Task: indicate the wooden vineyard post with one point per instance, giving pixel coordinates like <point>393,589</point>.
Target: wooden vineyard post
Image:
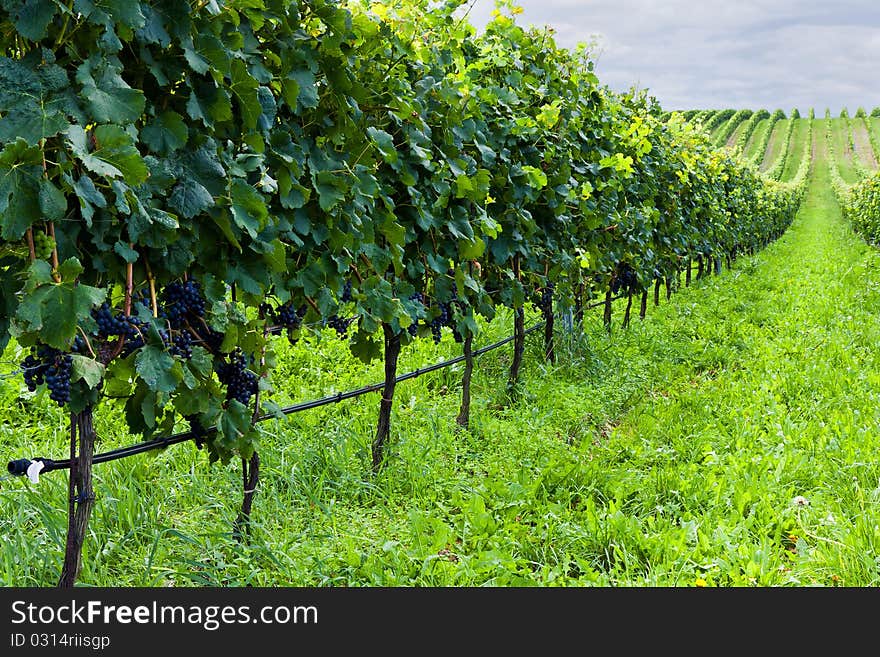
<point>629,303</point>
<point>383,425</point>
<point>250,476</point>
<point>464,413</point>
<point>606,316</point>
<point>519,341</point>
<point>579,306</point>
<point>81,495</point>
<point>549,348</point>
<point>250,468</point>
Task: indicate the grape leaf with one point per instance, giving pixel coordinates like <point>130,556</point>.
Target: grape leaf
<point>157,368</point>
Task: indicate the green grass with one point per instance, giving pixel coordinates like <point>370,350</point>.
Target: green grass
<point>669,454</point>
<point>775,145</point>
<point>715,136</point>
<point>843,151</point>
<point>734,137</point>
<point>795,149</point>
<point>751,149</point>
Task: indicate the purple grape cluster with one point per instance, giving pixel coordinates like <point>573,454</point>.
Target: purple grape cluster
<point>110,324</point>
<point>441,319</point>
<point>182,302</point>
<point>181,344</point>
<point>420,298</point>
<point>545,304</point>
<point>624,280</point>
<point>339,324</point>
<point>240,382</point>
<point>52,367</point>
<point>289,317</point>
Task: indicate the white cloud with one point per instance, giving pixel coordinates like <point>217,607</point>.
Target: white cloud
<point>720,53</point>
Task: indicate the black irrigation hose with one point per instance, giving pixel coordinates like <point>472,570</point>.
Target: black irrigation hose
<point>20,466</point>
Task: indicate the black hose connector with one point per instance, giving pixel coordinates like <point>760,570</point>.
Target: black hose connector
<point>18,467</point>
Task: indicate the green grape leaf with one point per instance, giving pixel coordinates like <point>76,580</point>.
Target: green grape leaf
<point>244,88</point>
<point>86,369</point>
<point>158,369</point>
<point>54,311</point>
<point>385,143</point>
<point>166,133</point>
<point>20,175</point>
<point>109,98</point>
<point>249,211</point>
<point>190,198</point>
<point>53,203</point>
<point>114,155</point>
<point>31,17</point>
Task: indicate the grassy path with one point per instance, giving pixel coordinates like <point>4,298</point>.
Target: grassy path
<point>864,151</point>
<point>791,415</point>
<point>796,149</point>
<point>734,136</point>
<point>843,150</point>
<point>750,153</point>
<point>774,148</point>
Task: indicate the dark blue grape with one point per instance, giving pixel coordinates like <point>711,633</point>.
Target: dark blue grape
<point>51,367</point>
<point>182,302</point>
<point>181,344</point>
<point>339,324</point>
<point>240,382</point>
<point>545,304</point>
<point>288,317</point>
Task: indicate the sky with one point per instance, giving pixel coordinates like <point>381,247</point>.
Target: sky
<point>716,54</point>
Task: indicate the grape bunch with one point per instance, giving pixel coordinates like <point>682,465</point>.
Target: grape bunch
<point>143,298</point>
<point>443,318</point>
<point>110,324</point>
<point>43,245</point>
<point>290,318</point>
<point>625,279</point>
<point>49,366</point>
<point>346,293</point>
<point>79,345</point>
<point>545,304</point>
<point>240,382</point>
<point>181,344</point>
<point>339,324</point>
<point>182,302</point>
<point>267,312</point>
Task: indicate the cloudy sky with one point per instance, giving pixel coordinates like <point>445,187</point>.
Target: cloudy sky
<point>702,54</point>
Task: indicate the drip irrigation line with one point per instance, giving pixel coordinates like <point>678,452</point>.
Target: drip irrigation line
<point>20,466</point>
